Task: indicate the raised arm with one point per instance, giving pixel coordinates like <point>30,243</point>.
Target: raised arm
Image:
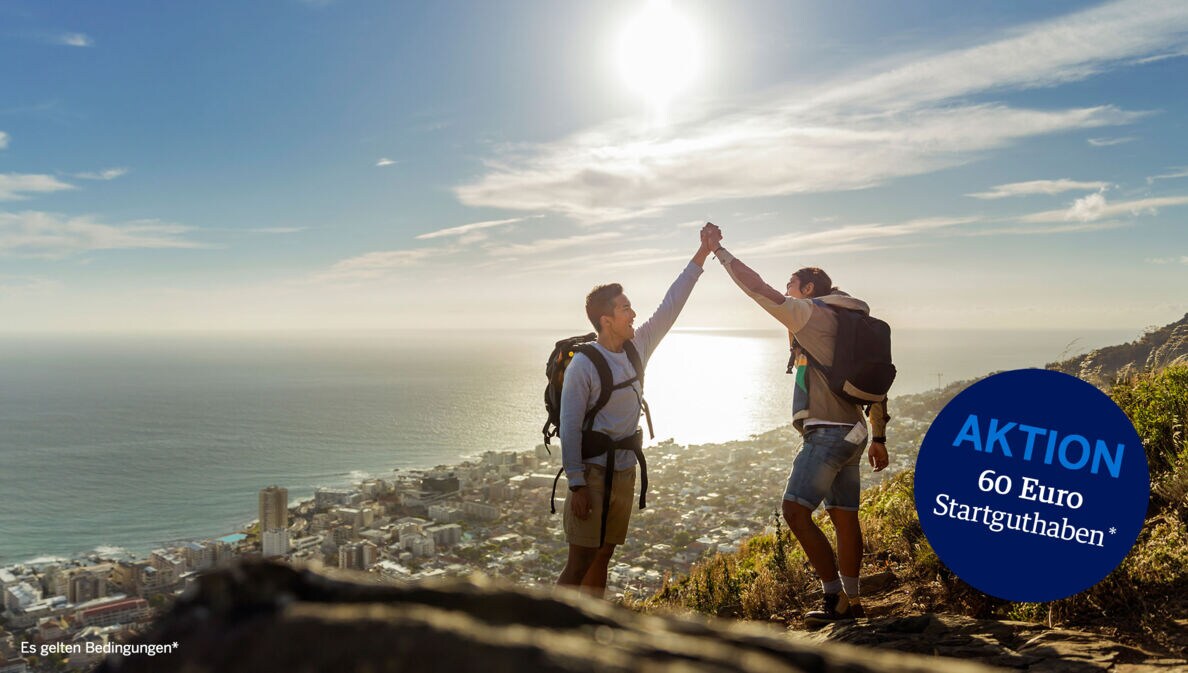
<point>649,334</point>
<point>745,277</point>
<point>793,313</point>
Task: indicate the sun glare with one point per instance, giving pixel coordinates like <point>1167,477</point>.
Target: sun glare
<point>658,54</point>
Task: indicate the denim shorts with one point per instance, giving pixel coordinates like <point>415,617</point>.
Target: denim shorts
<point>826,469</point>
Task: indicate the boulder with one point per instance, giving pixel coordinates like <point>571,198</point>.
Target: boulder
<point>266,617</point>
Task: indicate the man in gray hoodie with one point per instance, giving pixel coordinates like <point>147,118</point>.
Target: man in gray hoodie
<point>834,430</point>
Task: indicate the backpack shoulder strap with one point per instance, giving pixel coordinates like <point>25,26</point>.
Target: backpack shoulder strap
<point>637,365</point>
<point>814,362</point>
<point>606,382</point>
<point>636,362</point>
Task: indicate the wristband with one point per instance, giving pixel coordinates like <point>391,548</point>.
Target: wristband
<point>878,440</point>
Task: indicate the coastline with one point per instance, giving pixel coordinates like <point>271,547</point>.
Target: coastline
<point>108,553</point>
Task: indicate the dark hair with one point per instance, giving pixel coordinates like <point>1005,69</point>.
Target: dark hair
<point>600,302</point>
<point>822,284</point>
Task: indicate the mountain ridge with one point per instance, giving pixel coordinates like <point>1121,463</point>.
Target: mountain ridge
<point>1156,349</point>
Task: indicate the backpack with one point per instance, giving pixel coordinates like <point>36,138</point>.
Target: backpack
<point>862,371</point>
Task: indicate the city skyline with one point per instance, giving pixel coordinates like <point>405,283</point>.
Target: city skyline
<point>363,165</point>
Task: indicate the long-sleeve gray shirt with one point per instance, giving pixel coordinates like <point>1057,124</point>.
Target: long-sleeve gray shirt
<point>620,417</point>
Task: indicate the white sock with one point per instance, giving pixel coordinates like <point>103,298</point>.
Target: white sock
<point>831,587</point>
<point>850,586</point>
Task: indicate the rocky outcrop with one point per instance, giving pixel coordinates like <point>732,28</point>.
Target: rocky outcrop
<point>1016,645</point>
<point>269,617</point>
<point>1153,351</point>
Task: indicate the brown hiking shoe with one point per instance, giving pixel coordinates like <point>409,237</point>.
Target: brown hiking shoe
<point>836,608</point>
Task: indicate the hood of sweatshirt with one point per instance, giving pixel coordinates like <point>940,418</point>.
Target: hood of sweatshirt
<point>843,300</point>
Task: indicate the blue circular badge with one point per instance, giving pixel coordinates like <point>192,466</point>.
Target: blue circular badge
<point>1031,485</point>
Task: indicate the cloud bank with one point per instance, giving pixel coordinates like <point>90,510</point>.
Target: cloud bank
<point>54,236</point>
<point>19,186</point>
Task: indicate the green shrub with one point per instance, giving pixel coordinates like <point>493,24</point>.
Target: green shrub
<point>1160,556</point>
<point>1027,612</point>
<point>1157,404</point>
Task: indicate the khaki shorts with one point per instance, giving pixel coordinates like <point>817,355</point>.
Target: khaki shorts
<point>585,533</point>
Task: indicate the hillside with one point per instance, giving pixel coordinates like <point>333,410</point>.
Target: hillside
<point>1155,350</point>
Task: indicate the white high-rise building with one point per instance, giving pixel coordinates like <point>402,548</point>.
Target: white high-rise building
<point>275,542</point>
<point>369,554</point>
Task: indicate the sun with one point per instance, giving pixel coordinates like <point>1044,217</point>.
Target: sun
<point>658,55</point>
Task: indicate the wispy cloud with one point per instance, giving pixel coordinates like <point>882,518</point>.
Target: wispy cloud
<point>1180,172</point>
<point>384,161</point>
<point>54,236</point>
<point>1182,259</point>
<point>75,40</point>
<point>1109,142</point>
<point>627,257</point>
<point>3,140</point>
<point>278,230</point>
<point>18,186</point>
<point>854,133</point>
<point>11,286</point>
<point>549,245</point>
<point>1095,207</point>
<point>839,238</point>
<point>462,230</point>
<point>1175,53</point>
<point>1038,187</point>
<point>106,174</point>
<point>378,265</point>
<point>1033,230</point>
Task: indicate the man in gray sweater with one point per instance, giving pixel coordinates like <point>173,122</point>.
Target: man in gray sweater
<point>613,318</point>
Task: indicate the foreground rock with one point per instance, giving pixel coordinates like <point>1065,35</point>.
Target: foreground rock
<point>1017,645</point>
<point>264,617</point>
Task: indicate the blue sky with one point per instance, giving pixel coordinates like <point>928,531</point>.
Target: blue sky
<point>358,165</point>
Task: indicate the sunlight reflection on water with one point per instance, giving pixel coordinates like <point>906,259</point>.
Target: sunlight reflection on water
<point>714,388</point>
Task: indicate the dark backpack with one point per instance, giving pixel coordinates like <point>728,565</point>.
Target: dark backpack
<point>594,443</point>
<point>862,371</point>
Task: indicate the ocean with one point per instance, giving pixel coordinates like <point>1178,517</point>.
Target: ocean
<point>116,442</point>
